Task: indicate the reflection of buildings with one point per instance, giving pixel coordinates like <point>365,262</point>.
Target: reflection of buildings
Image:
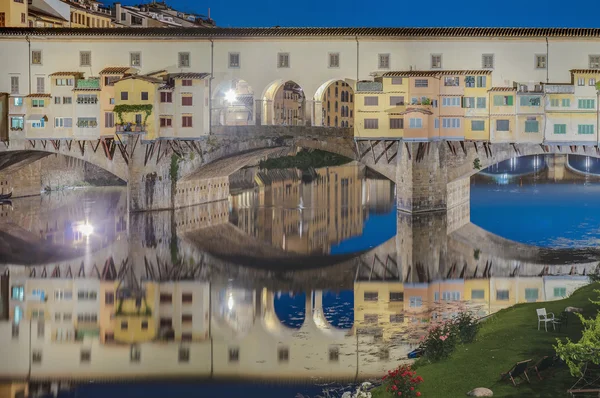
<point>307,217</point>
<point>289,105</point>
<point>338,105</point>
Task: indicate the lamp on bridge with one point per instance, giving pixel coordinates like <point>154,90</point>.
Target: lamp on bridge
<point>231,96</point>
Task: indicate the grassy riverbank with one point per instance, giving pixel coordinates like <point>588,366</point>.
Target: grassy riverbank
<point>507,337</point>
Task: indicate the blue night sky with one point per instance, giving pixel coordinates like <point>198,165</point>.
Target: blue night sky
<point>239,13</point>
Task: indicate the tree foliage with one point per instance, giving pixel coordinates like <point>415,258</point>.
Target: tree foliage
<point>125,108</point>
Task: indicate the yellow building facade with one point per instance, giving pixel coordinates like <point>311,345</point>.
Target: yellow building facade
<point>13,13</point>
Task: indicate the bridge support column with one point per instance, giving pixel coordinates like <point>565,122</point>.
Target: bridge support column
<point>315,112</point>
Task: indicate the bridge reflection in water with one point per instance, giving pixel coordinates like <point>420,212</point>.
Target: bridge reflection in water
<point>255,287</point>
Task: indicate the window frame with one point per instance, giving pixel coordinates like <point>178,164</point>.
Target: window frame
<point>232,65</point>
<point>81,58</point>
<point>189,59</point>
<point>329,59</point>
<point>387,57</point>
<point>483,64</point>
<point>41,57</point>
<point>131,55</point>
<point>537,58</point>
<point>281,56</point>
<point>597,62</point>
<point>440,64</point>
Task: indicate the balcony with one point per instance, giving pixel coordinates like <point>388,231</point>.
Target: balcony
<point>529,88</point>
<point>560,88</point>
<point>130,128</point>
<point>90,100</point>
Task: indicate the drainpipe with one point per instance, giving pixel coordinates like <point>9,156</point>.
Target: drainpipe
<point>29,63</point>
<point>212,69</point>
<point>547,59</point>
<point>357,57</point>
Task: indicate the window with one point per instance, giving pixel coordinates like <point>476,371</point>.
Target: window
<point>594,61</point>
<point>481,102</point>
<point>186,121</point>
<point>503,100</point>
<point>85,58</point>
<point>15,331</point>
<point>186,337</point>
<point>186,82</point>
<point>469,81</point>
<point>87,318</point>
<point>124,325</point>
<point>487,61</point>
<point>37,103</point>
<point>451,101</point>
<point>477,294</point>
<point>135,59</point>
<point>396,124</point>
<point>560,292</point>
<point>566,103</point>
<point>477,125</point>
<point>123,16</point>
<point>384,61</point>
<point>37,314</point>
<point>531,125</point>
<point>36,57</point>
<point>166,298</point>
<point>371,296</point>
<point>415,301</point>
<point>16,123</point>
<point>18,101</point>
<point>184,354</point>
<point>554,102</point>
<point>109,298</point>
<point>502,125</point>
<point>23,17</point>
<point>469,102</point>
<point>540,61</point>
<point>396,100</point>
<point>187,298</point>
<point>396,80</point>
<point>371,123</point>
<point>421,83</point>
<point>396,296</point>
<point>451,81</point>
<point>85,356</point>
<point>531,294</point>
<point>36,356</point>
<point>67,316</point>
<point>57,100</point>
<point>585,129</point>
<point>234,354</point>
<point>124,96</point>
<point>450,122</point>
<point>334,354</point>
<point>481,81</point>
<point>560,129</point>
<point>371,101</point>
<point>371,318</point>
<point>586,104</point>
<point>110,80</point>
<point>67,100</point>
<point>415,123</point>
<point>234,60</point>
<point>38,124</point>
<point>60,294</point>
<point>436,61</point>
<point>529,100</point>
<point>283,60</point>
<point>592,82</point>
<point>334,60</point>
<point>166,122</point>
<point>17,293</point>
<point>451,296</point>
<point>186,318</point>
<point>581,81</point>
<point>14,85</point>
<point>502,295</point>
<point>87,294</point>
<point>186,100</point>
<point>184,60</point>
<point>87,99</point>
<point>109,119</point>
<point>396,318</point>
<point>144,325</point>
<point>166,96</point>
<point>283,354</point>
<point>135,354</point>
<point>41,85</point>
<point>166,323</point>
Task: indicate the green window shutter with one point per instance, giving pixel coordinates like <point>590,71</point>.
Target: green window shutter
<point>477,125</point>
<point>524,100</point>
<point>560,129</point>
<point>531,126</point>
<point>481,102</point>
<point>566,102</point>
<point>509,101</point>
<point>498,100</point>
<point>531,294</point>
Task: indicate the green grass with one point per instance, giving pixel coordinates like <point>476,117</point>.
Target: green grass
<point>507,337</point>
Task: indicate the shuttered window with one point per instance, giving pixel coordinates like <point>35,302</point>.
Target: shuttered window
<point>109,119</point>
<point>396,123</point>
<point>14,84</point>
<point>41,84</point>
<point>371,123</point>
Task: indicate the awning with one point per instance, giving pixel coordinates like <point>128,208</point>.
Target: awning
<point>37,118</point>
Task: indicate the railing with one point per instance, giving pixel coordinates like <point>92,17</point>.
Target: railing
<point>130,128</point>
<point>87,101</point>
<point>369,86</point>
<point>560,89</point>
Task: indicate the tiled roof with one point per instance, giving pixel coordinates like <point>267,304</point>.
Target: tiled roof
<point>189,75</point>
<point>310,31</point>
<point>420,110</point>
<point>114,70</point>
<point>67,74</point>
<point>33,10</point>
<point>167,87</point>
<point>86,89</point>
<point>145,78</point>
<point>502,89</point>
<point>432,73</point>
<point>596,71</point>
<point>38,95</point>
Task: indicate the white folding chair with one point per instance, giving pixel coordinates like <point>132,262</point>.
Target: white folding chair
<point>545,317</point>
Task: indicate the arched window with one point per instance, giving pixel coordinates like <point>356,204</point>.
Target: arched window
<point>328,123</point>
<point>336,91</point>
<point>336,106</point>
<point>328,106</point>
<point>350,97</point>
<point>336,121</point>
<point>350,113</point>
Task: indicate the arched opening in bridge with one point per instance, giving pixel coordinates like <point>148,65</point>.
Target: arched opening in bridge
<point>233,311</point>
<point>233,104</point>
<point>336,99</point>
<point>585,165</point>
<point>284,104</point>
<point>290,309</point>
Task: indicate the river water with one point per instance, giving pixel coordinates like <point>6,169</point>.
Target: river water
<point>309,276</point>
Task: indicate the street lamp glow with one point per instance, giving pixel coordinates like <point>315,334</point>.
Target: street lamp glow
<point>86,229</point>
<point>230,302</point>
<point>230,96</point>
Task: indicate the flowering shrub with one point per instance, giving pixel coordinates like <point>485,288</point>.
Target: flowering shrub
<point>442,339</point>
<point>467,327</point>
<point>403,382</point>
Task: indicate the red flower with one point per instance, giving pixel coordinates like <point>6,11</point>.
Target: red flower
<point>394,388</point>
<point>384,377</point>
<point>419,378</point>
<point>412,389</point>
<point>399,392</point>
<point>418,394</point>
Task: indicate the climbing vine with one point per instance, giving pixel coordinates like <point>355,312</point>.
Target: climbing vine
<point>477,164</point>
<point>124,108</point>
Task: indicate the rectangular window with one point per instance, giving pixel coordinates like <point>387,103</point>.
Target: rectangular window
<point>503,100</point>
<point>65,122</point>
<point>586,104</point>
<point>451,122</point>
<point>560,292</point>
<point>468,102</point>
<point>186,318</point>
<point>502,295</point>
<point>531,294</point>
<point>166,96</point>
<point>36,57</point>
<point>166,298</point>
<point>57,100</point>
<point>184,60</point>
<point>334,354</point>
<point>396,318</point>
<point>469,81</point>
<point>415,301</point>
<point>187,298</point>
<point>436,61</point>
<point>234,354</point>
<point>14,84</point>
<point>554,102</point>
<point>560,129</point>
<point>186,100</point>
<point>532,126</point>
<point>396,296</point>
<point>135,59</point>
<point>166,122</point>
<point>124,96</point>
<point>421,82</point>
<point>184,354</point>
<point>186,121</point>
<point>371,123</point>
<point>85,356</point>
<point>144,96</point>
<point>109,298</point>
<point>109,119</point>
<point>371,296</point>
<point>136,353</point>
<point>36,356</point>
<point>234,60</point>
<point>581,81</point>
<point>481,102</point>
<point>481,81</point>
<point>87,295</point>
<point>396,124</point>
<point>283,354</point>
<point>477,294</point>
<point>371,318</point>
<point>529,100</point>
<point>87,122</point>
<point>186,83</point>
<point>592,82</point>
<point>566,103</point>
<point>450,101</point>
<point>487,61</point>
<point>594,61</point>
<point>87,99</point>
<point>502,125</point>
<point>540,61</point>
<point>383,61</point>
<point>123,16</point>
<point>37,103</point>
<point>396,80</point>
<point>371,101</point>
<point>396,100</point>
<point>415,123</point>
<point>85,58</point>
<point>585,129</point>
<point>17,293</point>
<point>477,125</point>
<point>41,85</point>
<point>334,60</point>
<point>16,123</point>
<point>451,81</point>
<point>283,60</point>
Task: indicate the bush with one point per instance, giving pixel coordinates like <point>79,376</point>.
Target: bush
<point>403,382</point>
<point>441,339</point>
<point>467,327</point>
